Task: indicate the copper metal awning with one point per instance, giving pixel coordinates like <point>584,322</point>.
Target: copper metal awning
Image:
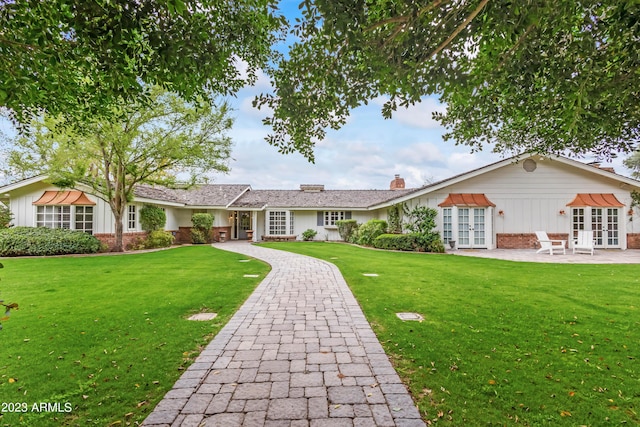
<point>467,199</point>
<point>596,200</point>
<point>68,197</point>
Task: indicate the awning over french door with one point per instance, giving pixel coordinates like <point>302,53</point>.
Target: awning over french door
<point>596,200</point>
<point>467,200</point>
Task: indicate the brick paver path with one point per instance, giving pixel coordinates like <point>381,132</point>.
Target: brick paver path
<point>299,352</point>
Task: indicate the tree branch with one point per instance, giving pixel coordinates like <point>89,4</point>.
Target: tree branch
<point>460,27</point>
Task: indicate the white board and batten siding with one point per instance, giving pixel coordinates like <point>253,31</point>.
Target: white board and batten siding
<point>24,211</point>
<point>532,201</point>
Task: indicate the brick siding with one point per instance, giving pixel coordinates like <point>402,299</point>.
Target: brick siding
<point>633,240</point>
<point>183,235</point>
<point>127,238</point>
<point>524,240</point>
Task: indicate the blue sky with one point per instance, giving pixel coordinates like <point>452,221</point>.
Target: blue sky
<point>366,153</point>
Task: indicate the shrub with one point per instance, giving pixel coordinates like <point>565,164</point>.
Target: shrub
<point>6,216</point>
<point>396,242</point>
<point>309,234</point>
<point>346,228</point>
<point>395,215</point>
<point>152,218</point>
<point>20,241</point>
<point>371,229</point>
<point>202,224</point>
<point>203,221</point>
<point>197,236</point>
<point>422,221</point>
<point>159,239</point>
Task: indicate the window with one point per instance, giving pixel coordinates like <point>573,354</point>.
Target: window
<point>447,225</point>
<point>330,217</point>
<point>53,216</point>
<point>84,219</point>
<point>131,217</point>
<point>280,222</point>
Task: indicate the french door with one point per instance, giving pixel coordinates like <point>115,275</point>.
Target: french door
<point>605,223</point>
<point>472,227</point>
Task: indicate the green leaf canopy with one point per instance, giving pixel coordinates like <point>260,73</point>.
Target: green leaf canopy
<point>80,58</point>
<point>530,75</point>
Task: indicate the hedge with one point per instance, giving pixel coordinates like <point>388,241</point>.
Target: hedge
<point>21,241</point>
<point>159,239</point>
<point>396,242</point>
<point>371,229</point>
<point>409,242</point>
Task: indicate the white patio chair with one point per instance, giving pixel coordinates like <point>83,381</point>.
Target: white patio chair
<point>584,243</point>
<point>547,244</point>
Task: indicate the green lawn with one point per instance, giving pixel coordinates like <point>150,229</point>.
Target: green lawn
<point>502,342</point>
<point>107,336</point>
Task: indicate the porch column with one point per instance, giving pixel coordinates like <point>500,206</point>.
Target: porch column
<point>489,234</point>
<point>254,225</point>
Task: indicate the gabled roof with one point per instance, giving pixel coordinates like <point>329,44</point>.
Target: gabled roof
<point>604,172</point>
<point>220,195</point>
<point>347,199</point>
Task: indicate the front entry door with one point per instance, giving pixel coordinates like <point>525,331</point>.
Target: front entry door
<point>242,223</point>
<point>472,227</point>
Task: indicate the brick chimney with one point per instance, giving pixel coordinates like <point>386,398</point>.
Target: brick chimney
<point>397,183</point>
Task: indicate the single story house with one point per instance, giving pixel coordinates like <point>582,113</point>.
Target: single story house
<point>500,205</point>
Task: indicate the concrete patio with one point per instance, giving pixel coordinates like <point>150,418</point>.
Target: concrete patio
<point>600,256</point>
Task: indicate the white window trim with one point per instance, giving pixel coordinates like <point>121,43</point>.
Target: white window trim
<point>72,217</point>
<point>135,217</point>
<point>288,223</point>
<point>330,217</point>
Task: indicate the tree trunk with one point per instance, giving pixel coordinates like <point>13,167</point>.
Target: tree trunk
<point>119,246</point>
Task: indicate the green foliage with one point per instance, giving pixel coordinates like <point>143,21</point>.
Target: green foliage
<point>309,235</point>
<point>202,224</point>
<point>30,241</point>
<point>6,216</point>
<point>203,221</point>
<point>82,58</point>
<point>198,236</point>
<point>158,239</point>
<point>395,216</point>
<point>346,229</point>
<point>396,242</point>
<point>633,163</point>
<point>422,221</point>
<point>371,229</point>
<point>152,218</point>
<point>146,144</point>
<point>482,58</point>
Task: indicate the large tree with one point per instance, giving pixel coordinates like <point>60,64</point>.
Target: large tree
<point>151,143</point>
<point>527,75</point>
<point>633,163</point>
<point>78,58</point>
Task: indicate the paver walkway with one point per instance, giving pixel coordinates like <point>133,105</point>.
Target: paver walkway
<point>299,352</point>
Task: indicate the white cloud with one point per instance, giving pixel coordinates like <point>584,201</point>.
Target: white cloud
<point>422,152</point>
<point>420,115</point>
